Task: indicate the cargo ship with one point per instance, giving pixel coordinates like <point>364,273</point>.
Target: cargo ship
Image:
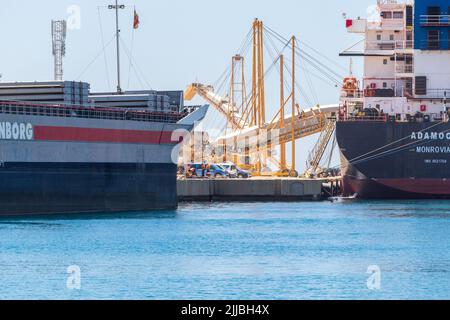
<point>65,149</point>
<point>60,157</point>
<point>393,126</point>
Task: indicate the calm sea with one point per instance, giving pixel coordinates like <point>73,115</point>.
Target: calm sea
<point>359,250</point>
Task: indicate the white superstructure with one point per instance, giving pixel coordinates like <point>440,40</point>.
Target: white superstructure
<point>406,61</point>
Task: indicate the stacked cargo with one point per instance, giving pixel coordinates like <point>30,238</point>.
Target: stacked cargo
<point>52,92</point>
<point>126,100</point>
<point>148,100</point>
<point>78,93</point>
<point>175,99</point>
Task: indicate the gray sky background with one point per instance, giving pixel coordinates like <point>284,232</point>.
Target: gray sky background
<point>178,41</point>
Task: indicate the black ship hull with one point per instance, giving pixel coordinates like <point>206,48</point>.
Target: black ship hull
<point>88,162</point>
<point>388,160</point>
<point>52,188</point>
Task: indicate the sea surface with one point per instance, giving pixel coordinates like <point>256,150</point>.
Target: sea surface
<point>346,250</point>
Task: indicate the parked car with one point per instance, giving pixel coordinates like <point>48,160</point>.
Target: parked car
<point>218,171</point>
<point>235,171</point>
<point>212,170</point>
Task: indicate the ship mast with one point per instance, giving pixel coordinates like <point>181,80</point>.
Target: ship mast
<point>117,7</point>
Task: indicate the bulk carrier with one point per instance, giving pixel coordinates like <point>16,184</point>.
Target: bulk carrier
<point>65,149</point>
<point>64,158</point>
<point>393,126</point>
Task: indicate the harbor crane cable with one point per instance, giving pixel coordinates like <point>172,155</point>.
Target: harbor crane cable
<point>102,36</point>
<point>366,157</point>
<point>275,61</point>
<point>307,75</point>
<point>307,72</point>
<point>266,42</point>
<point>245,45</point>
<point>308,79</point>
<point>392,151</point>
<point>135,66</point>
<point>301,51</point>
<point>282,39</point>
<point>222,83</point>
<point>96,57</point>
<point>138,77</point>
<point>133,30</point>
<point>303,43</point>
<point>312,60</point>
<point>327,81</point>
<point>243,49</point>
<point>394,142</point>
<point>103,50</point>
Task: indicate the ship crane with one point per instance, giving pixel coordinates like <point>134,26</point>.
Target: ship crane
<point>246,114</point>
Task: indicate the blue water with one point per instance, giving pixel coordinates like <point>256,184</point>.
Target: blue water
<point>233,251</point>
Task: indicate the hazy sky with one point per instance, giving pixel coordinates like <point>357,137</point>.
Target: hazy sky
<point>178,41</point>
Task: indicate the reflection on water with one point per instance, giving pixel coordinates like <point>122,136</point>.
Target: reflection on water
<point>408,209</point>
<point>30,219</point>
<point>233,251</point>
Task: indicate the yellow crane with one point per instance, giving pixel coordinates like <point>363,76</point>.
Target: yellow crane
<point>246,115</point>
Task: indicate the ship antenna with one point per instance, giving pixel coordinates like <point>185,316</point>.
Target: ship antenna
<point>117,7</point>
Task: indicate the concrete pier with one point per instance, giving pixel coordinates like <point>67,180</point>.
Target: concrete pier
<point>255,189</point>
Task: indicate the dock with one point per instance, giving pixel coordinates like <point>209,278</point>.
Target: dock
<point>255,189</point>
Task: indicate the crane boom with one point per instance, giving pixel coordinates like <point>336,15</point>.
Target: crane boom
<point>309,122</point>
<point>221,104</point>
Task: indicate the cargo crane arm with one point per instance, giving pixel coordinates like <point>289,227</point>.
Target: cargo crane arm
<point>221,104</point>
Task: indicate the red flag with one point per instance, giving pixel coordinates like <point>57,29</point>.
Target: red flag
<point>136,20</point>
<point>348,23</point>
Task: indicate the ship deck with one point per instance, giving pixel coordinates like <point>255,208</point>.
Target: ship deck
<point>69,111</point>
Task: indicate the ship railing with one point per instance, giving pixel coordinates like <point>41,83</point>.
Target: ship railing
<point>393,24</point>
<point>433,44</point>
<point>435,94</point>
<point>441,20</point>
<point>363,117</point>
<point>352,94</point>
<point>389,45</point>
<point>419,117</point>
<point>63,111</point>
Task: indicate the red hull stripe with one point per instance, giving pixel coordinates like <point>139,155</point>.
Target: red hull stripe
<point>422,186</point>
<point>46,133</point>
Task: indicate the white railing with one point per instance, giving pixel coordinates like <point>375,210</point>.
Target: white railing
<point>65,111</point>
<point>389,45</point>
<point>386,2</point>
<point>393,24</point>
<point>435,20</point>
<point>436,94</point>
